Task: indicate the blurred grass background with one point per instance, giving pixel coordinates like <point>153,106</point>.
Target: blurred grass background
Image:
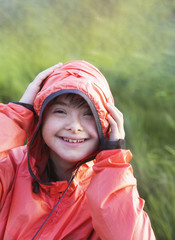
<point>133,44</point>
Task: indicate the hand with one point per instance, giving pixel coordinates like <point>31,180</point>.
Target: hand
<point>34,87</point>
<point>116,122</point>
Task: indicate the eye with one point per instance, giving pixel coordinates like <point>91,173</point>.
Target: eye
<point>88,114</point>
<point>60,111</point>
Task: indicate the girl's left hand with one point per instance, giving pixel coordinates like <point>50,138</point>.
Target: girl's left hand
<point>116,121</point>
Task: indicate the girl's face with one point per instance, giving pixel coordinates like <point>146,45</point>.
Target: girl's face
<point>69,130</point>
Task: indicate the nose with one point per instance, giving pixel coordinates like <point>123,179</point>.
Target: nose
<point>74,124</point>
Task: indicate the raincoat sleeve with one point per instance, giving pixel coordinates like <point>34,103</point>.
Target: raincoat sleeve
<point>116,207</point>
<point>15,121</point>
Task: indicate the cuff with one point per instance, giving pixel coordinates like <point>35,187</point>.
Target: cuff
<point>107,144</point>
<point>26,105</point>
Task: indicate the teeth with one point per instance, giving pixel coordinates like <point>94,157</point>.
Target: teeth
<point>73,140</point>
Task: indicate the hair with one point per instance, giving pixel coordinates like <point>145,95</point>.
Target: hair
<point>75,99</point>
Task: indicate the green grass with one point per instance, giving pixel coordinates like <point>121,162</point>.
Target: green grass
<point>133,44</point>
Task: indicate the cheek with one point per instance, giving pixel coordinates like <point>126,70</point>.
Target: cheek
<point>44,132</point>
<point>47,128</point>
<point>92,129</point>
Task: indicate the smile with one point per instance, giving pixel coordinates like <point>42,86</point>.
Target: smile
<point>73,140</point>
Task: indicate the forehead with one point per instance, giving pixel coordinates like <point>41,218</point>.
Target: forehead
<point>73,100</point>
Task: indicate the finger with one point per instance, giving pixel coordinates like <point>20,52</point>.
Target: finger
<point>116,121</point>
<point>116,115</point>
<point>44,74</point>
<point>35,86</point>
<point>53,67</point>
<point>114,131</point>
<point>113,110</point>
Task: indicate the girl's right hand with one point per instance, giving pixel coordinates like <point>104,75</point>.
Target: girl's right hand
<point>34,87</point>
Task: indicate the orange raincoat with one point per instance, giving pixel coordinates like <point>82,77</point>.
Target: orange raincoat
<point>100,202</point>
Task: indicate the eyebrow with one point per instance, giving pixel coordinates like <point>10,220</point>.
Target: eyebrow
<point>65,104</point>
<point>60,103</point>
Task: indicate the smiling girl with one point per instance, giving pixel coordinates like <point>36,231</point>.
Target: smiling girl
<point>72,180</point>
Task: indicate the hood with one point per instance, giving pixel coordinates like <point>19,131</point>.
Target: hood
<point>77,77</point>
